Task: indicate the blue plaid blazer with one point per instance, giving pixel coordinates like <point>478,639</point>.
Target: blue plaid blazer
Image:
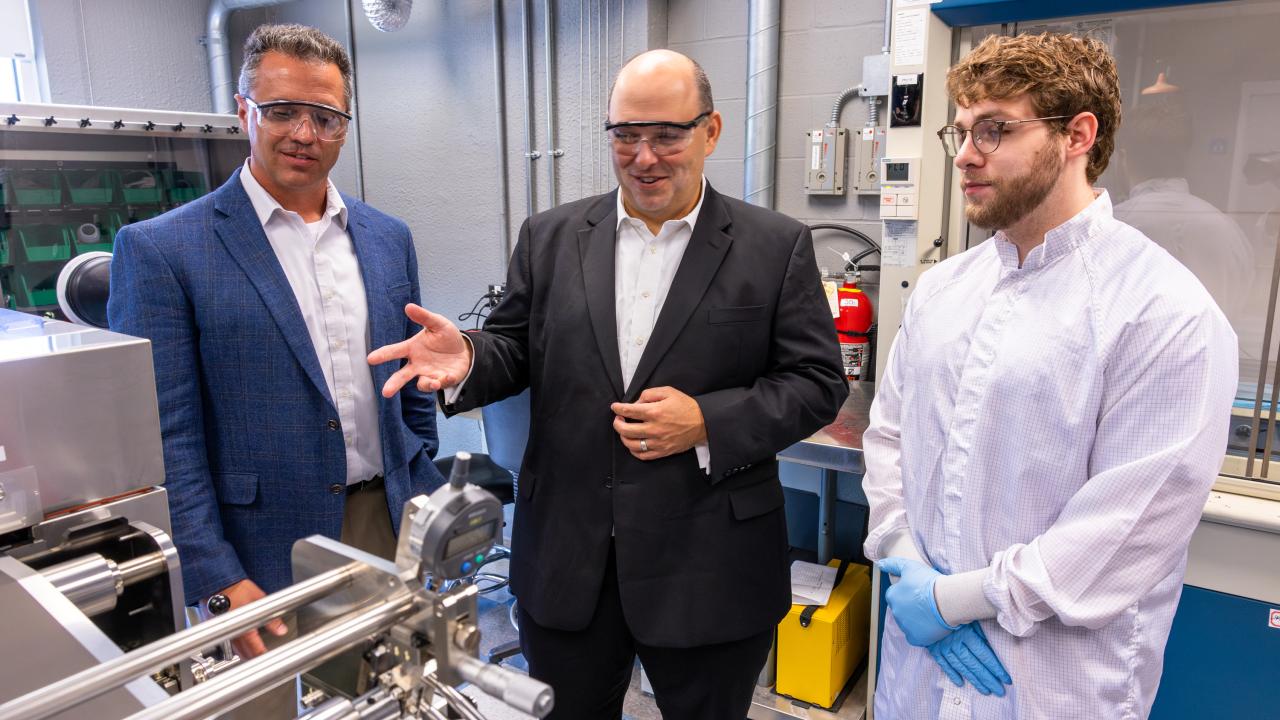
<point>252,446</point>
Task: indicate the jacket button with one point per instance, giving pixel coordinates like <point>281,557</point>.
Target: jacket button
<point>333,424</point>
<point>608,482</point>
<point>337,488</point>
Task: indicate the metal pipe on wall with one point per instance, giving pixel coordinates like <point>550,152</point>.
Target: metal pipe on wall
<point>500,121</point>
<point>549,65</point>
<point>763,30</point>
<point>530,153</point>
<point>221,84</point>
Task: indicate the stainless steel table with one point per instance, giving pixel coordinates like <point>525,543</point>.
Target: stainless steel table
<point>834,449</point>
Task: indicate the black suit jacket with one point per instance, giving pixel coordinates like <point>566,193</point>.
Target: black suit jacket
<point>745,330</point>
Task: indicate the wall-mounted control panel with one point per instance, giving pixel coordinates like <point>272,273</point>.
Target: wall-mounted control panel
<point>900,188</point>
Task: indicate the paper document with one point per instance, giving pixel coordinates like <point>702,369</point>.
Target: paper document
<point>811,584</point>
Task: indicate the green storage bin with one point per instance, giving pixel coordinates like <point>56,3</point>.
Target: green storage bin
<point>141,186</point>
<point>32,188</point>
<point>36,289</point>
<point>138,214</point>
<point>90,187</point>
<point>105,238</point>
<point>183,186</point>
<point>42,243</point>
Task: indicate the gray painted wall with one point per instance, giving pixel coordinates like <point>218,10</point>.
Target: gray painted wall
<point>130,53</point>
<point>426,126</point>
<point>822,46</point>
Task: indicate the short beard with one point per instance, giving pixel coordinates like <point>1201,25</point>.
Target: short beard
<point>1017,197</point>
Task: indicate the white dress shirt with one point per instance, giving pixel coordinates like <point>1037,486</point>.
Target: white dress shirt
<point>1047,435</point>
<point>320,264</point>
<point>644,265</point>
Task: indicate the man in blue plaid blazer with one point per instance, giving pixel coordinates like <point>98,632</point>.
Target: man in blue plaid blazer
<point>261,301</point>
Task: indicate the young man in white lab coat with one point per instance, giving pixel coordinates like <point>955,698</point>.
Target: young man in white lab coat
<point>1051,420</point>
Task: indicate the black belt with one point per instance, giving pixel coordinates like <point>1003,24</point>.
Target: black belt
<point>369,484</point>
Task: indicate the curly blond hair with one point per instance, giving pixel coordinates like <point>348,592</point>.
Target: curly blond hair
<point>1061,74</point>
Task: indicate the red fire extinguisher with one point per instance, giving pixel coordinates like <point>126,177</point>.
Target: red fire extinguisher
<point>853,327</point>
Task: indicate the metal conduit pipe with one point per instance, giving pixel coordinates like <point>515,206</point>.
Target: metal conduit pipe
<point>221,84</point>
<point>763,33</point>
<point>530,154</point>
<point>94,681</point>
<point>500,122</point>
<point>548,55</point>
<point>888,12</point>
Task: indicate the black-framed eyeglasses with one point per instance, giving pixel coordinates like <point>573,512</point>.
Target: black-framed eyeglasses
<point>285,117</point>
<point>662,137</point>
<point>986,134</point>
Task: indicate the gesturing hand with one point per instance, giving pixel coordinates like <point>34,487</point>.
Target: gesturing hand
<point>665,422</point>
<point>437,356</point>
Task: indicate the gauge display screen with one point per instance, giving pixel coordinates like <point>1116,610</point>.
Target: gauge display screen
<point>475,537</point>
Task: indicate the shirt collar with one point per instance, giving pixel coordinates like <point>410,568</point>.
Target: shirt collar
<point>691,218</point>
<point>264,205</point>
<point>1061,240</point>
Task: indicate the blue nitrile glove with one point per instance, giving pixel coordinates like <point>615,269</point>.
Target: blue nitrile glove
<point>966,655</point>
<point>912,601</point>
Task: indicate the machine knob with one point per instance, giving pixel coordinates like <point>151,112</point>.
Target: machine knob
<point>218,604</point>
<point>1243,432</point>
<point>461,469</point>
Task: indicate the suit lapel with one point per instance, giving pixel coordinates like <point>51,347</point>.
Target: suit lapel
<point>384,328</point>
<point>596,250</point>
<point>702,258</point>
<point>244,238</point>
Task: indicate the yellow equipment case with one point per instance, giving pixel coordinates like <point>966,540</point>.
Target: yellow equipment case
<point>818,653</point>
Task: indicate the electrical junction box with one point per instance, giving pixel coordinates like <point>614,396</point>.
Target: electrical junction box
<point>900,188</point>
<point>826,161</point>
<point>875,75</point>
<point>868,151</point>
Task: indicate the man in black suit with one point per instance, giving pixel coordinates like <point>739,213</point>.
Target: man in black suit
<point>674,340</point>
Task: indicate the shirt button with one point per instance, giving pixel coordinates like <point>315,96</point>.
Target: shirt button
<point>336,488</point>
<point>644,295</point>
<point>639,341</point>
<point>955,701</point>
<point>333,424</point>
<point>608,482</point>
<point>337,344</point>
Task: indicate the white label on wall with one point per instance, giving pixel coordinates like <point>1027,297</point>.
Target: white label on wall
<point>1274,620</point>
<point>908,36</point>
<point>898,243</point>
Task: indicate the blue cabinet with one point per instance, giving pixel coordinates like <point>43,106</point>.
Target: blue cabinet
<point>1222,660</point>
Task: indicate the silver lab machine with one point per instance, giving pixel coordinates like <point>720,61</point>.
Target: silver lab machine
<point>91,588</point>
